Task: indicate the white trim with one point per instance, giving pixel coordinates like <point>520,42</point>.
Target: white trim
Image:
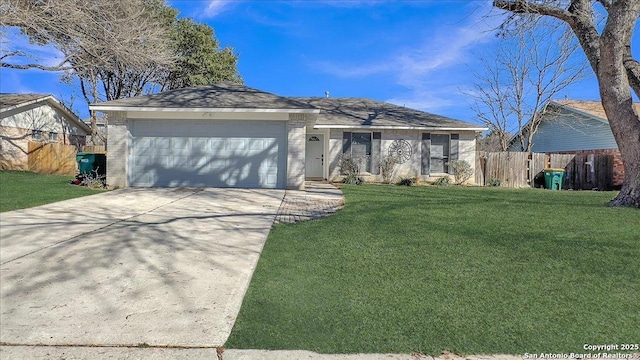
<point>393,127</point>
<point>165,109</point>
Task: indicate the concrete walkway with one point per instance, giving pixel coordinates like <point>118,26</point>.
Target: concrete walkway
<point>74,353</point>
<point>319,199</point>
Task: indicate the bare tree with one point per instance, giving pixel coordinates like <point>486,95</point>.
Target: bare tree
<point>88,33</point>
<point>519,80</point>
<point>490,142</point>
<point>608,50</point>
<point>91,35</point>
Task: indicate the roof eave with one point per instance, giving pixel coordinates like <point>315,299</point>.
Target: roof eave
<point>394,127</point>
<point>222,110</point>
<point>71,115</point>
<point>26,103</point>
<point>580,112</point>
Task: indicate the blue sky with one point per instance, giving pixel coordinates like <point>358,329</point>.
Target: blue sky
<point>420,54</point>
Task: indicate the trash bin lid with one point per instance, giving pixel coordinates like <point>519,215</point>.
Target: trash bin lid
<point>554,170</point>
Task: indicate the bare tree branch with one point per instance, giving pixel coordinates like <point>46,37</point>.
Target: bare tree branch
<point>632,67</point>
<point>520,79</point>
<point>528,7</point>
<point>88,33</point>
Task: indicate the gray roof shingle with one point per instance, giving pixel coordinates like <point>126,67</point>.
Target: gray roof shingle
<point>345,112</point>
<point>9,100</point>
<point>218,96</point>
<point>366,112</point>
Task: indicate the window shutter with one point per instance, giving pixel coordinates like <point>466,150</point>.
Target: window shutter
<point>346,142</point>
<point>453,150</point>
<point>376,149</point>
<point>425,156</point>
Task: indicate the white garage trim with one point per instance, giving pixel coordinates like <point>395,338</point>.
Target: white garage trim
<point>207,153</point>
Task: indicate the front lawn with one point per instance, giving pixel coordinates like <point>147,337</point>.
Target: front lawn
<point>20,189</point>
<point>469,270</point>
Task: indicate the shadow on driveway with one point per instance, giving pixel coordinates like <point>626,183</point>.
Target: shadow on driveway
<point>163,267</point>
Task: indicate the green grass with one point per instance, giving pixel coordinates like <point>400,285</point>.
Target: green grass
<point>469,270</point>
<point>19,189</point>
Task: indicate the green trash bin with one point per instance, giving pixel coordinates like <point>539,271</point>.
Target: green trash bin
<point>554,178</point>
<point>88,162</point>
<point>85,162</point>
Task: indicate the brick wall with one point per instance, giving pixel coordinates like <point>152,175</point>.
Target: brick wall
<point>618,167</point>
<point>14,147</point>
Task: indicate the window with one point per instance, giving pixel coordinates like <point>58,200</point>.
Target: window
<point>438,151</point>
<point>364,147</point>
<point>53,136</point>
<point>36,134</point>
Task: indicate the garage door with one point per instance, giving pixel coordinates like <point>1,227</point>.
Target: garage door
<point>200,153</point>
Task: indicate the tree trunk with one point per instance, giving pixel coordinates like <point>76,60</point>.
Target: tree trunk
<point>615,91</point>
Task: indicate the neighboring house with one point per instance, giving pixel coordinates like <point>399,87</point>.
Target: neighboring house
<point>34,117</point>
<point>232,135</point>
<point>572,127</point>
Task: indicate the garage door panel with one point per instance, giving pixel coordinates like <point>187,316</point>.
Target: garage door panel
<point>203,154</point>
<point>271,180</point>
<point>181,143</point>
<point>200,143</point>
<point>161,143</point>
<point>181,163</point>
<point>217,144</point>
<point>237,145</point>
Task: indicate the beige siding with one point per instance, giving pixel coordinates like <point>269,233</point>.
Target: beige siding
<point>467,150</point>
<point>296,143</point>
<point>41,117</point>
<point>118,144</point>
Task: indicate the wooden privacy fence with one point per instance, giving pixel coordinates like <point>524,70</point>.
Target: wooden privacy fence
<point>520,169</point>
<point>94,149</point>
<point>51,158</point>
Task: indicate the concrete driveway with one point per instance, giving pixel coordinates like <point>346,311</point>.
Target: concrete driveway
<point>158,267</point>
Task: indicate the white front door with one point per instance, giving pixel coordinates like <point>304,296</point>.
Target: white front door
<point>314,156</point>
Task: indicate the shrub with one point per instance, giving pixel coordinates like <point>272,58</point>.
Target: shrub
<point>387,165</point>
<point>462,171</point>
<point>408,181</point>
<point>92,180</point>
<point>349,166</point>
<point>494,182</point>
<point>353,180</point>
<point>442,181</point>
